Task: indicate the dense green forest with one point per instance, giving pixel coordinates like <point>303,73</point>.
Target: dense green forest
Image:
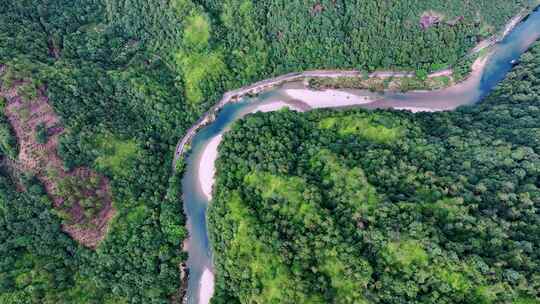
<point>128,77</point>
<point>225,44</point>
<point>123,115</point>
<point>384,207</point>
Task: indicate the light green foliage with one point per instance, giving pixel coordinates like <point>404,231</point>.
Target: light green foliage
<point>197,32</point>
<point>198,68</point>
<point>28,91</point>
<point>421,74</point>
<point>464,280</point>
<point>348,283</point>
<point>457,281</point>
<point>137,215</point>
<point>363,126</point>
<point>264,265</point>
<point>488,294</point>
<point>19,297</point>
<point>526,300</point>
<point>115,154</point>
<point>350,187</point>
<point>406,253</point>
<point>449,209</point>
<point>443,81</point>
<point>291,191</point>
<point>195,60</point>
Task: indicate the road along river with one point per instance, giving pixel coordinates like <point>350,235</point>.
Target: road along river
<point>198,179</point>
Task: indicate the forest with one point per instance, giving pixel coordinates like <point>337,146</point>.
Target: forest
<point>384,206</point>
<point>127,78</point>
<point>122,116</point>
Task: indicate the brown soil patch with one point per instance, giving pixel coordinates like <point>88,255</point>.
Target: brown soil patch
<point>429,19</point>
<point>81,197</point>
<point>316,9</point>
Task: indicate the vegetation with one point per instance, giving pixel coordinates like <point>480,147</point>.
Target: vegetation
<point>127,78</point>
<point>402,84</point>
<point>383,206</point>
<point>38,261</point>
<point>81,191</point>
<point>221,45</point>
<point>115,155</point>
<point>41,133</point>
<point>369,127</point>
<point>122,114</point>
<point>8,143</point>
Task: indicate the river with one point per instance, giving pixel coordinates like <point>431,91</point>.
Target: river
<point>198,179</point>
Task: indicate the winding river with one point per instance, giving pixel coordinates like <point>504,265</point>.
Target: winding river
<point>198,179</point>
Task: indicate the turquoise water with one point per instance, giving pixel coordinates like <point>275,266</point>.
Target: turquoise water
<point>472,91</point>
<point>195,202</point>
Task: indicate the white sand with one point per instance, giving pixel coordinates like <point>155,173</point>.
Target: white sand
<point>416,109</point>
<point>274,106</point>
<point>479,65</point>
<point>327,98</point>
<point>207,168</point>
<point>206,287</point>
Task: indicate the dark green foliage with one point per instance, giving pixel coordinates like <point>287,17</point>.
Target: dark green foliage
<point>38,261</point>
<point>445,210</point>
<point>297,35</point>
<point>249,40</point>
<point>136,74</point>
<point>35,29</point>
<point>8,143</point>
<point>41,133</point>
<point>122,115</point>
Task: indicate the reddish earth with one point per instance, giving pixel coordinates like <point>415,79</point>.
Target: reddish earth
<point>429,19</point>
<point>43,161</point>
<point>317,9</point>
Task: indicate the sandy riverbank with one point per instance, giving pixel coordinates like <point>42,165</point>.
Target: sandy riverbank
<point>274,106</point>
<point>207,168</point>
<point>206,287</point>
<point>415,109</point>
<point>319,99</point>
<point>327,98</point>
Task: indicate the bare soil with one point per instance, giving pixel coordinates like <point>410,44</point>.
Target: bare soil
<point>43,161</point>
<point>316,9</point>
<point>429,19</point>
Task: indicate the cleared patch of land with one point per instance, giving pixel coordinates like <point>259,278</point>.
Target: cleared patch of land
<point>81,197</point>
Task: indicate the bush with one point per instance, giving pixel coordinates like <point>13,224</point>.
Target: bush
<point>41,134</point>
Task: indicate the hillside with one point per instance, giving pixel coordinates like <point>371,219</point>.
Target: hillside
<point>383,207</point>
<point>98,92</point>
